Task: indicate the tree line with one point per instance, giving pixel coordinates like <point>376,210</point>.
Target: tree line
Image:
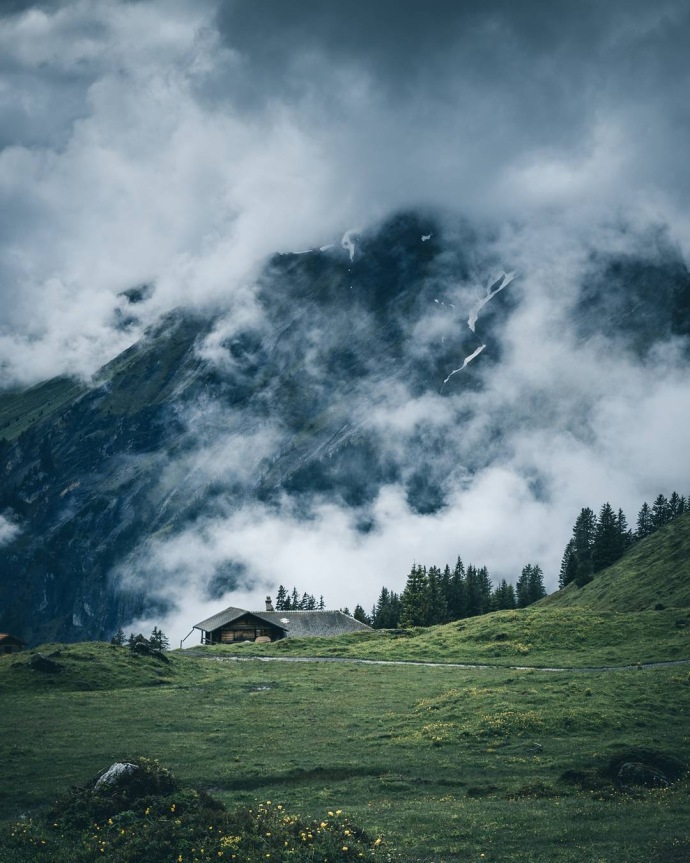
<point>432,596</point>
<point>293,601</point>
<point>599,541</point>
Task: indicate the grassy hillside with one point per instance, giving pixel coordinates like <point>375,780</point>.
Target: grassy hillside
<point>21,409</point>
<point>655,572</point>
<point>448,764</point>
<point>569,637</point>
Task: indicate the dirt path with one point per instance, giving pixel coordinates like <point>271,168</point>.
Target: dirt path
<point>464,665</point>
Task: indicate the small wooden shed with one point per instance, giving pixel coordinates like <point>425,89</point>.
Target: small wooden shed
<point>10,643</point>
<point>234,625</point>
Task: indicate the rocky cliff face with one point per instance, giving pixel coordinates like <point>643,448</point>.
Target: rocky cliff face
<point>214,409</point>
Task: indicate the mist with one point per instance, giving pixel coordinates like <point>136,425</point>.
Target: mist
<point>179,145</point>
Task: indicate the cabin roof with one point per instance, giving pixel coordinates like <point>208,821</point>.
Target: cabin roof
<point>228,615</point>
<point>294,623</point>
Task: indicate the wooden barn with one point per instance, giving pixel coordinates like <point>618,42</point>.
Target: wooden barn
<point>234,625</point>
<point>10,644</point>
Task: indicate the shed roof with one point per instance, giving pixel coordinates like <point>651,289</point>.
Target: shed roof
<point>294,623</point>
<point>228,615</point>
<point>4,635</point>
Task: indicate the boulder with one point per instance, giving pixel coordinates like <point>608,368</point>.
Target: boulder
<point>44,664</point>
<point>636,774</point>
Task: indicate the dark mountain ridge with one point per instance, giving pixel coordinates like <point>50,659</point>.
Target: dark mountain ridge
<point>203,414</point>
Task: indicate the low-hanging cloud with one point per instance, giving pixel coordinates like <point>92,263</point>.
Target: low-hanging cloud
<point>178,145</point>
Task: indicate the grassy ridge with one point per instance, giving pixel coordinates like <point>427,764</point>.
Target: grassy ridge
<point>570,637</point>
<point>20,410</point>
<point>450,764</point>
<point>656,571</point>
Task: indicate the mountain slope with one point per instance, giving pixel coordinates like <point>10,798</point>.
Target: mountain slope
<point>655,572</point>
<point>350,369</point>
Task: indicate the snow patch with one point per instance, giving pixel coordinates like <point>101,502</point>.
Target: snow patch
<point>506,279</point>
<point>468,360</point>
<point>326,248</point>
<point>426,237</point>
<point>348,243</point>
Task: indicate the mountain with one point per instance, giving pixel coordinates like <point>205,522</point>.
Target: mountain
<point>286,397</point>
<point>654,574</point>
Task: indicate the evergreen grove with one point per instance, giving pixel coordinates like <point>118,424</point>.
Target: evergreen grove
<point>598,542</point>
<point>433,596</point>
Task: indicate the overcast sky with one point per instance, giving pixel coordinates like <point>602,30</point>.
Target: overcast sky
<point>178,142</point>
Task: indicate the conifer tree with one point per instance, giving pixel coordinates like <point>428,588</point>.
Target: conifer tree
<point>118,638</point>
<point>625,537</point>
<point>387,610</point>
<point>322,604</point>
<point>281,596</point>
<point>644,522</point>
<point>414,599</point>
<point>457,602</point>
<point>477,590</point>
<point>583,534</point>
<point>606,548</point>
<point>503,597</point>
<point>568,569</point>
<point>438,610</point>
<point>530,585</point>
<point>361,615</point>
<point>661,512</point>
<point>676,505</point>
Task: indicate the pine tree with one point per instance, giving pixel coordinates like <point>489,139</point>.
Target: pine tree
<point>118,638</point>
<point>503,597</point>
<point>457,602</point>
<point>281,596</point>
<point>644,522</point>
<point>159,639</point>
<point>625,536</point>
<point>414,599</point>
<point>294,599</point>
<point>322,604</point>
<point>361,615</point>
<point>661,512</point>
<point>583,535</point>
<point>676,505</point>
<point>438,610</point>
<point>530,586</point>
<point>568,569</point>
<point>477,590</point>
<point>606,548</point>
<point>386,613</point>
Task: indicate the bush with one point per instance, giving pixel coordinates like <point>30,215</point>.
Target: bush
<point>90,824</point>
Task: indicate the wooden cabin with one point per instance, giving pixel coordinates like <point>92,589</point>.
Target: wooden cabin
<point>10,644</point>
<point>236,625</point>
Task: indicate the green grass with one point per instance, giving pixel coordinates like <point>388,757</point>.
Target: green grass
<point>656,571</point>
<point>20,410</point>
<point>447,763</point>
<point>569,637</point>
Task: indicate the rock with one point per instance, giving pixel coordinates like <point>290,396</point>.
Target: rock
<point>115,774</point>
<point>130,780</point>
<point>42,663</point>
<point>635,774</point>
<point>142,648</point>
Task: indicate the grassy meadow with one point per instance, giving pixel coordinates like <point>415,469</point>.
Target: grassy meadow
<point>563,637</point>
<point>448,764</point>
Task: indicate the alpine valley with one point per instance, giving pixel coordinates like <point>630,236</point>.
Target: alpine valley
<point>369,363</point>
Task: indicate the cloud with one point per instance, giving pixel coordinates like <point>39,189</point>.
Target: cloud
<point>178,144</point>
<point>8,531</point>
